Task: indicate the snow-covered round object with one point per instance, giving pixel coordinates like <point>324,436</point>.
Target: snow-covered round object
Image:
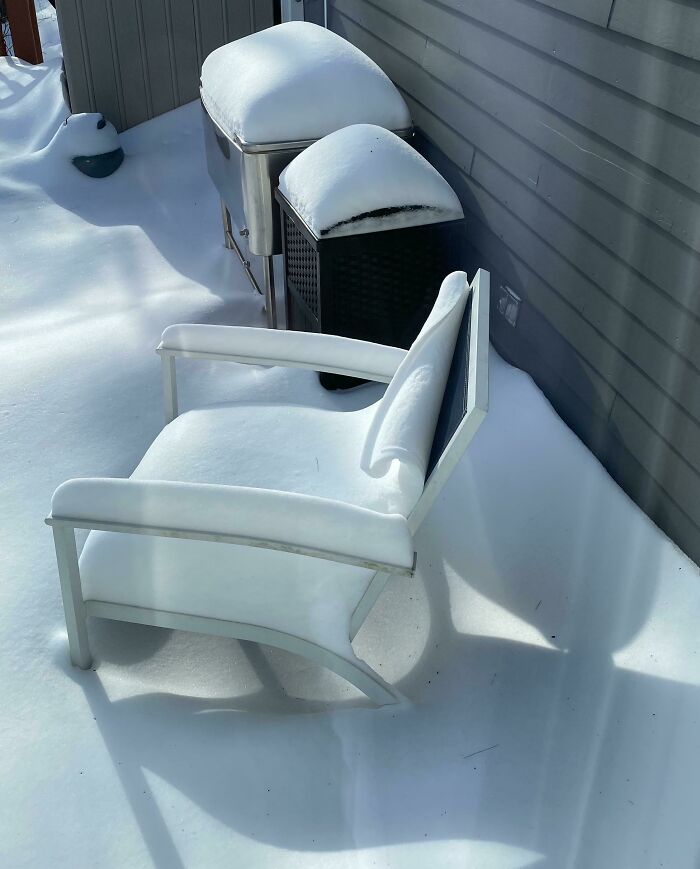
<point>85,135</point>
<point>294,82</point>
<point>90,142</point>
<point>364,179</point>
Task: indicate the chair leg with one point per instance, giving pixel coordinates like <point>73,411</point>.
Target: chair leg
<point>367,601</point>
<point>363,677</point>
<point>71,592</point>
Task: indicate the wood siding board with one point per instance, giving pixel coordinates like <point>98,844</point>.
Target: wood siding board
<point>621,373</point>
<point>632,477</point>
<point>101,62</point>
<point>666,81</point>
<point>652,137</point>
<point>450,143</point>
<point>75,57</point>
<point>659,362</point>
<point>670,24</point>
<point>624,287</point>
<point>184,40</point>
<point>132,74</point>
<point>484,131</point>
<point>263,14</point>
<point>676,476</point>
<point>663,201</point>
<point>211,26</point>
<point>666,203</point>
<point>638,242</point>
<point>239,20</point>
<point>158,55</point>
<point>595,11</point>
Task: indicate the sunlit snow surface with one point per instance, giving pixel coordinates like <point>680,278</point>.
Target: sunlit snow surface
<point>548,645</point>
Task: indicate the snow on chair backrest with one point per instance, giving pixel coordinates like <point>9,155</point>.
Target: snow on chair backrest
<point>465,399</point>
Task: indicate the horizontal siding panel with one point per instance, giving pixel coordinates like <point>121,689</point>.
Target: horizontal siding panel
<point>595,11</point>
<point>675,476</point>
<point>607,168</point>
<point>625,122</point>
<point>662,80</point>
<point>657,197</point>
<point>622,374</point>
<point>641,245</point>
<point>670,24</point>
<point>616,281</point>
<point>659,363</point>
<point>631,475</point>
<point>647,134</point>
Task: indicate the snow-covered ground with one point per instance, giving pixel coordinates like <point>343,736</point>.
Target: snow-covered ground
<point>549,644</point>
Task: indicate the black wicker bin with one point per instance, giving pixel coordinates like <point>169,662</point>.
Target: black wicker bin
<point>377,286</point>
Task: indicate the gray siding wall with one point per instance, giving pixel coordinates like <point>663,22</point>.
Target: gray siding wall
<point>570,130</point>
<point>134,59</point>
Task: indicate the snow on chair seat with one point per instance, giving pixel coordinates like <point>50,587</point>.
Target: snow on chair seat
<point>228,526</point>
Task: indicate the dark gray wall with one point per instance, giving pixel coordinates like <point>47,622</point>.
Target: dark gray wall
<point>133,59</point>
<point>570,130</point>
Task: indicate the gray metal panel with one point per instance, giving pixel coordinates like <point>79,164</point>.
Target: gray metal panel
<point>238,15</point>
<point>102,68</point>
<point>75,55</point>
<point>129,63</point>
<point>262,13</point>
<point>670,24</point>
<point>210,26</point>
<point>184,43</point>
<point>133,59</point>
<point>157,56</point>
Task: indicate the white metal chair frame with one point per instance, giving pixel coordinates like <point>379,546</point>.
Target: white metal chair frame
<point>320,354</point>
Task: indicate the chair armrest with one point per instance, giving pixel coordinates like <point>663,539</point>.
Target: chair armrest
<point>289,349</point>
<point>302,524</point>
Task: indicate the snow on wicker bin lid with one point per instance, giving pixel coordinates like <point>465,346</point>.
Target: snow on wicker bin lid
<point>294,82</point>
<point>364,179</point>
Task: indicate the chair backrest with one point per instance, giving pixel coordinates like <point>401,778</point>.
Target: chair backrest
<point>466,397</point>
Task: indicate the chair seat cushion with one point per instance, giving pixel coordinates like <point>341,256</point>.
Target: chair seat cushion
<point>291,448</point>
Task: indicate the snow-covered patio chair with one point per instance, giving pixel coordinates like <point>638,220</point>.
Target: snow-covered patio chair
<point>272,522</point>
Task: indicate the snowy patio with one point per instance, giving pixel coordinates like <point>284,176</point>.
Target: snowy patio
<point>548,644</point>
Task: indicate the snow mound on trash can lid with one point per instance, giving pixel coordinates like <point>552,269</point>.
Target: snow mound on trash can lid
<point>296,81</point>
<point>362,179</point>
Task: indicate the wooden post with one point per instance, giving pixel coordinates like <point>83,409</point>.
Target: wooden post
<point>21,15</point>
